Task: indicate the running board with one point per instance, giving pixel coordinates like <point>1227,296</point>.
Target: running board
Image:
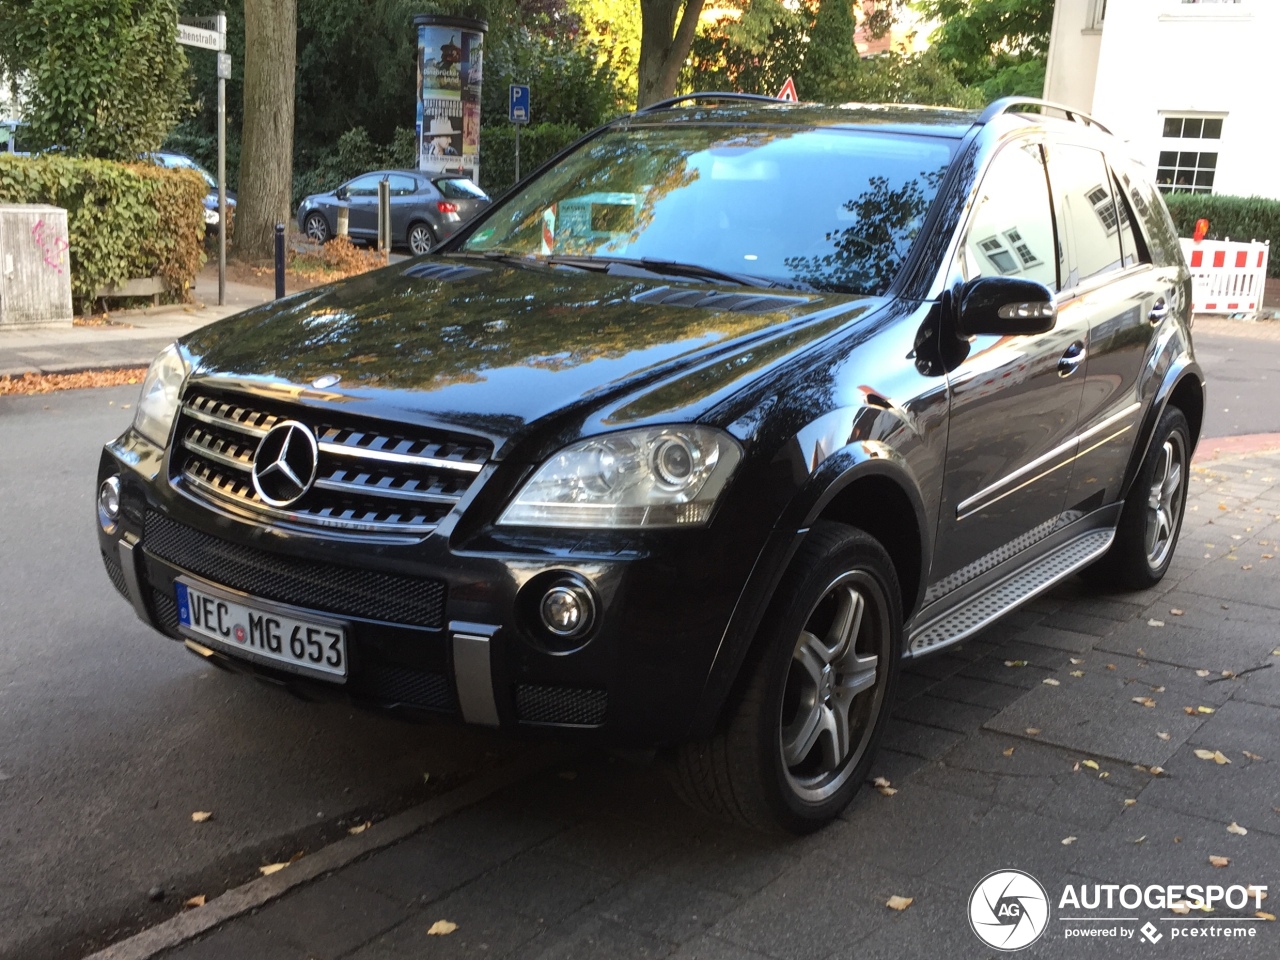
<point>997,600</point>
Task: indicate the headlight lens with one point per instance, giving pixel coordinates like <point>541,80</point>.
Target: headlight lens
<point>652,477</point>
<point>161,388</point>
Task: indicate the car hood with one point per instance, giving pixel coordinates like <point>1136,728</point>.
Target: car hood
<point>492,349</point>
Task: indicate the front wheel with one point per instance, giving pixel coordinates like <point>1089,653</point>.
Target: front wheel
<point>316,227</point>
<point>799,741</point>
<point>421,238</point>
<point>1152,515</point>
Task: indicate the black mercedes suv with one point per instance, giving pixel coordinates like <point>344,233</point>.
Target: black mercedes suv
<point>689,440</point>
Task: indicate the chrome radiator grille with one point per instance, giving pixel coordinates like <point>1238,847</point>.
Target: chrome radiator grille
<point>369,480</point>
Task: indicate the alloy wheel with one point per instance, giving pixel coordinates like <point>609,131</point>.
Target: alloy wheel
<point>1165,499</point>
<point>421,238</point>
<point>317,228</point>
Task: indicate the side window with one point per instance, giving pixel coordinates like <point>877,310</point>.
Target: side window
<point>402,186</point>
<point>1154,225</point>
<point>366,186</point>
<point>1011,231</point>
<point>1132,247</point>
<point>1085,203</point>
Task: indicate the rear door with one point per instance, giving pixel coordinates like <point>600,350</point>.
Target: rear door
<point>1113,283</point>
<point>1014,401</point>
<point>362,199</point>
<point>405,198</point>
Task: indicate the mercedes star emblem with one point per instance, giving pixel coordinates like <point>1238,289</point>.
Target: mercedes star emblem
<point>284,466</point>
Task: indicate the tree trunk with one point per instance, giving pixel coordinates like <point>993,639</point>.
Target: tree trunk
<point>664,46</point>
<point>266,153</point>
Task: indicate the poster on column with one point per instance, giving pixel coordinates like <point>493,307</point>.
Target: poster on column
<point>450,71</point>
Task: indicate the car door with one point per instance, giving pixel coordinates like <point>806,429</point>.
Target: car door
<point>1014,400</point>
<point>362,200</point>
<point>1125,297</point>
<point>405,197</point>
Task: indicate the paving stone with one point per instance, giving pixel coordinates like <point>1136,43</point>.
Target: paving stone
<point>1078,621</point>
<point>1242,791</point>
<point>947,714</point>
<point>994,670</point>
<point>592,939</point>
<point>495,831</point>
<point>1259,686</point>
<point>419,870</point>
<point>1047,636</point>
<point>241,940</point>
<point>485,928</point>
<point>935,925</point>
<point>331,917</point>
<point>1080,799</point>
<point>738,862</point>
<point>542,887</point>
<point>667,909</point>
<point>912,685</point>
<point>917,740</point>
<point>936,666</point>
<point>1098,725</point>
<point>1105,606</point>
<point>894,766</point>
<point>985,753</point>
<point>713,948</point>
<point>613,845</point>
<point>1136,677</point>
<point>1230,645</point>
<point>981,693</point>
<point>1237,727</point>
<point>1008,838</point>
<point>1036,655</point>
<point>966,783</point>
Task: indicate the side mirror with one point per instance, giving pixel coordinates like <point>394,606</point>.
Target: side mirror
<point>1005,307</point>
<point>341,193</point>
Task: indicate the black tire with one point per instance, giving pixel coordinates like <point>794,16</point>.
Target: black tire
<point>1147,535</point>
<point>756,770</point>
<point>316,227</point>
<point>420,237</point>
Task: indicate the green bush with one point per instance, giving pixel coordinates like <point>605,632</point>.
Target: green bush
<point>125,221</point>
<point>538,144</point>
<point>1240,218</point>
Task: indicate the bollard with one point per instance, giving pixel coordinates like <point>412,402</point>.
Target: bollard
<point>344,218</point>
<point>279,260</point>
<point>384,215</point>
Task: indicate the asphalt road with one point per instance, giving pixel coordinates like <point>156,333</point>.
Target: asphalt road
<point>111,736</point>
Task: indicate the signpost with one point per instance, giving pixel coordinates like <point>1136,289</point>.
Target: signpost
<point>210,33</point>
<point>519,115</point>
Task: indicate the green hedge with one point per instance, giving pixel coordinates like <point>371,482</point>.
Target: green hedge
<point>126,221</point>
<point>1240,218</point>
<point>538,144</point>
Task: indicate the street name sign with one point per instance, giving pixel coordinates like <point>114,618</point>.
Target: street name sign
<point>199,36</point>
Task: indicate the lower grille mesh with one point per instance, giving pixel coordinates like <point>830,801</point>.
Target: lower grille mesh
<point>166,609</point>
<point>417,688</point>
<point>318,586</point>
<point>116,573</point>
<point>571,706</point>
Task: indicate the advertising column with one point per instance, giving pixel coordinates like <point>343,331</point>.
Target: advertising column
<point>450,71</point>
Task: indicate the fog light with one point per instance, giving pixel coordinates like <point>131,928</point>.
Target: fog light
<point>109,503</point>
<point>567,609</point>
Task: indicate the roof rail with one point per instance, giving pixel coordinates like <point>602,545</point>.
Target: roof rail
<point>710,96</point>
<point>1007,105</point>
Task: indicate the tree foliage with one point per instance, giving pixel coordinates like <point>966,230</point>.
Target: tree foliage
<point>1000,45</point>
<point>97,78</point>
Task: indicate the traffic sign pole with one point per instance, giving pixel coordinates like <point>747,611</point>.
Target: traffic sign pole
<point>210,33</point>
<point>518,114</point>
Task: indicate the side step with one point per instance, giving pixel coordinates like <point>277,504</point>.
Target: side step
<point>998,599</point>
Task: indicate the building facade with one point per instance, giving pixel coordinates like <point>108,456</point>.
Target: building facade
<point>1189,84</point>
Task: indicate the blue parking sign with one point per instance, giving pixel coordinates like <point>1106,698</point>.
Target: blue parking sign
<point>519,103</point>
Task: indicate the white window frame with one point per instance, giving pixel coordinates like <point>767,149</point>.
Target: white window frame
<point>1182,144</point>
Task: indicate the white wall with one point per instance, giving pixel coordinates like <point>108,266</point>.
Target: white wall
<point>1219,58</point>
<point>1073,55</point>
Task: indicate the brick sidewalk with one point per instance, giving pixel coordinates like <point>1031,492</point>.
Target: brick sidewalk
<point>602,861</point>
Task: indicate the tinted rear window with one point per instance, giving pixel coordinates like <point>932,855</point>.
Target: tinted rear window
<point>460,188</point>
<point>809,208</point>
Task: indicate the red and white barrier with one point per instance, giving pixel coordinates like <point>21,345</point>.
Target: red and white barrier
<point>1227,276</point>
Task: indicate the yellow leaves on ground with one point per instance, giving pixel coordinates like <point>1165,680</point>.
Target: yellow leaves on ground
<point>193,902</point>
<point>1145,701</point>
<point>1009,752</point>
<point>200,816</point>
<point>271,868</point>
<point>1077,673</point>
<point>1216,756</point>
<point>1163,735</point>
<point>1015,663</point>
<point>882,784</point>
<point>1091,764</point>
<point>1219,862</point>
<point>1155,623</point>
<point>359,828</point>
<point>899,903</point>
<point>442,928</point>
<point>1238,830</point>
<point>1052,682</point>
<point>1033,731</point>
<point>1068,841</point>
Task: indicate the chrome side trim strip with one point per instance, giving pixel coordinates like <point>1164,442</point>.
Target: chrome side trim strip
<point>472,674</point>
<point>129,564</point>
<point>364,453</point>
<point>976,502</point>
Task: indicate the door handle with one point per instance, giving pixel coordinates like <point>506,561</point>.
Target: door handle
<point>1159,310</point>
<point>1071,360</point>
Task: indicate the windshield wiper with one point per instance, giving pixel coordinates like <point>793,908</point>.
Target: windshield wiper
<point>692,271</point>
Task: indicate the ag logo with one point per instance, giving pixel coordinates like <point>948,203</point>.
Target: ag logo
<point>1008,910</point>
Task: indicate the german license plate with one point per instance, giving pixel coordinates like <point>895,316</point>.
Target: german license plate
<point>264,632</point>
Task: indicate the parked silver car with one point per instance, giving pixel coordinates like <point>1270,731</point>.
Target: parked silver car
<point>424,209</point>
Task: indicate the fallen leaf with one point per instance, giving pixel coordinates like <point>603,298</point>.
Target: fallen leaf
<point>426,778</point>
<point>1162,735</point>
<point>888,791</point>
<point>1068,841</point>
<point>1263,915</point>
<point>1111,666</point>
<point>1103,775</point>
<point>1251,756</point>
<point>1077,660</point>
<point>442,928</point>
<point>1276,652</point>
<point>1181,907</point>
<point>359,828</point>
<point>200,816</point>
<point>1077,673</point>
<point>1142,653</point>
<point>1145,701</point>
<point>1009,752</point>
<point>192,902</point>
<point>1052,682</point>
<point>1033,731</point>
<point>1176,612</point>
<point>882,784</point>
<point>1189,711</point>
<point>1202,673</point>
<point>1238,830</point>
<point>1246,566</point>
<point>1076,769</point>
<point>898,903</point>
<point>1155,623</point>
<point>1227,674</point>
<point>1204,710</point>
<point>1130,802</point>
<point>1157,689</point>
<point>1091,764</point>
<point>1204,754</point>
<point>1141,838</point>
<point>1015,663</point>
<point>1267,556</point>
<point>1156,771</point>
<point>1255,893</point>
<point>1219,862</point>
<point>271,868</point>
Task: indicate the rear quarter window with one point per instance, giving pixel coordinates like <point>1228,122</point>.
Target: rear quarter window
<point>460,189</point>
<point>1154,221</point>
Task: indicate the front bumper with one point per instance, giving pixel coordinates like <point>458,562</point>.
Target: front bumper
<point>438,630</point>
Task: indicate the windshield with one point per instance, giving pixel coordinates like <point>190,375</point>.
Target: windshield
<point>809,209</point>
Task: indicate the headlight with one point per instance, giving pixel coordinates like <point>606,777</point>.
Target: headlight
<point>210,216</point>
<point>161,388</point>
<point>654,477</point>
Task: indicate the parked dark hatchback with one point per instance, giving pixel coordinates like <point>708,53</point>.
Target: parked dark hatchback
<point>424,209</point>
<point>648,455</point>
